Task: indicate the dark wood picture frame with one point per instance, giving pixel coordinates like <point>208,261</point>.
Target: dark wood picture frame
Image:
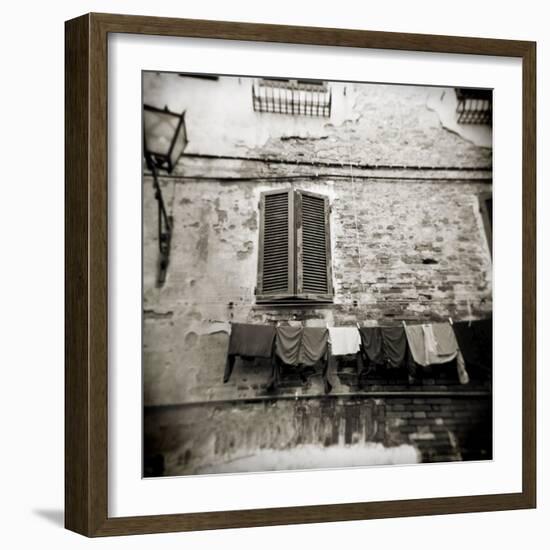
<point>86,315</point>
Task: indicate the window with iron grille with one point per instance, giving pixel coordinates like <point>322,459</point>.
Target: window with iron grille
<point>292,97</point>
<point>474,106</point>
<point>294,261</point>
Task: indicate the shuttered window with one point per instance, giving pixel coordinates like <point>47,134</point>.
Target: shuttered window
<point>294,252</point>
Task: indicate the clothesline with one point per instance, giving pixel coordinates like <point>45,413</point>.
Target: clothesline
<point>398,322</point>
<point>420,344</point>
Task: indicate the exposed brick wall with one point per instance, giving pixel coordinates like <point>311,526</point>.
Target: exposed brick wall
<point>383,232</point>
<point>195,439</point>
<point>443,428</point>
<point>408,243</point>
<point>394,127</point>
<point>370,123</point>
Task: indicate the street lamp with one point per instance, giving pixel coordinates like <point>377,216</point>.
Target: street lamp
<point>164,139</point>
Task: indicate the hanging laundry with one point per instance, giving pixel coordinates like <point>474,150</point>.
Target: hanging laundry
<point>301,346</point>
<point>446,343</point>
<point>314,345</point>
<point>251,340</point>
<point>344,340</point>
<point>305,346</point>
<point>415,339</point>
<point>313,349</point>
<point>248,341</point>
<point>371,339</point>
<point>475,339</point>
<point>287,344</point>
<point>440,342</point>
<point>394,345</point>
<point>483,330</point>
<point>464,333</point>
<point>435,344</point>
<point>463,375</point>
<point>424,347</point>
<point>448,349</point>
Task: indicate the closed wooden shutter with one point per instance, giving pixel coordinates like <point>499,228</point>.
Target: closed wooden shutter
<point>314,278</point>
<point>276,254</point>
<point>294,253</point>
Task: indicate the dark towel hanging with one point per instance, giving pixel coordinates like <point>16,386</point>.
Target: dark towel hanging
<point>251,340</point>
<point>475,340</point>
<point>248,341</point>
<point>287,344</point>
<point>394,345</point>
<point>371,339</point>
<point>314,345</point>
<point>483,330</point>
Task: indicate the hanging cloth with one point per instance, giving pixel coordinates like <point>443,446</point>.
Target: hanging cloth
<point>445,339</point>
<point>475,340</point>
<point>448,349</point>
<point>440,343</point>
<point>424,346</point>
<point>251,340</point>
<point>371,339</point>
<point>464,333</point>
<point>313,346</point>
<point>344,340</point>
<point>483,330</point>
<point>314,349</point>
<point>394,345</point>
<point>287,344</point>
<point>435,344</point>
<point>416,341</point>
<point>306,346</point>
<point>301,346</point>
<point>248,341</point>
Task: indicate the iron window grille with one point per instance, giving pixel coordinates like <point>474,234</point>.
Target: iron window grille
<point>294,260</point>
<point>292,97</point>
<point>474,106</point>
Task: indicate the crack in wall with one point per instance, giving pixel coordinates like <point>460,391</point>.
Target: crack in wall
<point>153,314</point>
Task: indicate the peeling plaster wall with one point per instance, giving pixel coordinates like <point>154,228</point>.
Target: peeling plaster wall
<point>219,115</point>
<point>375,124</point>
<point>382,233</point>
<point>407,243</point>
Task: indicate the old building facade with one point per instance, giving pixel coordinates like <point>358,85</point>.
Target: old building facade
<point>407,192</point>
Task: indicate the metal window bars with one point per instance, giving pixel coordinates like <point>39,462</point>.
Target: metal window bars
<point>474,106</point>
<point>292,97</point>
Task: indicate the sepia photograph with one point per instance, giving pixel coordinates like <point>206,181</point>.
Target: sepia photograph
<point>316,274</point>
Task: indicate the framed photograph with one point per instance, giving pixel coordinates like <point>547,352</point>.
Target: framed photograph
<point>300,275</point>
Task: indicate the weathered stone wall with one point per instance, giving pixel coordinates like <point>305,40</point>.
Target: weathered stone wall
<point>408,243</point>
<point>254,436</point>
<point>372,124</point>
<point>401,250</point>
